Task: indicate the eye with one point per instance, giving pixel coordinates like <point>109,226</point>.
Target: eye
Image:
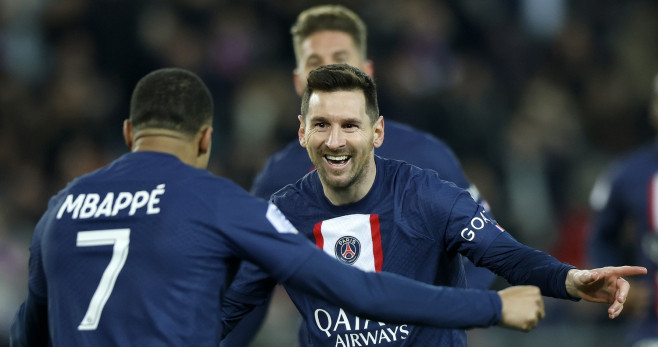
<point>312,63</point>
<point>320,124</point>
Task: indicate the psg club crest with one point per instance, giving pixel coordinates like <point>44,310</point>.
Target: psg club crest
<point>348,249</point>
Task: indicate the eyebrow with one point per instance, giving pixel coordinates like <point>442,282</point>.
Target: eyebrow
<point>341,52</point>
<point>325,119</point>
<point>333,55</point>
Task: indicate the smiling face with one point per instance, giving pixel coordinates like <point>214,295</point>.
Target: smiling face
<point>324,48</point>
<point>340,140</point>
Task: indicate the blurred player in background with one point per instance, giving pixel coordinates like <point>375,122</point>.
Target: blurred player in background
<point>625,228</point>
<point>331,34</point>
<point>140,252</point>
<point>385,215</point>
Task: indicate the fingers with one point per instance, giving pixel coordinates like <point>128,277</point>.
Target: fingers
<point>523,307</point>
<point>620,271</point>
<point>622,290</point>
<point>615,309</point>
<point>629,271</point>
<point>620,298</point>
<point>541,313</point>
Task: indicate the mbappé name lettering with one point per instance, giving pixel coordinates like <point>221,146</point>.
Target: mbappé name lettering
<point>91,205</point>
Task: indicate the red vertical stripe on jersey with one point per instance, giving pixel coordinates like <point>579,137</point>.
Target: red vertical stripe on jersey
<point>376,242</point>
<point>317,232</point>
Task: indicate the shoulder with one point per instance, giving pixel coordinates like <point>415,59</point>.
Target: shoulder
<point>414,180</point>
<point>422,149</point>
<point>642,159</point>
<point>281,168</point>
<point>627,171</point>
<point>424,199</point>
<point>291,153</point>
<point>300,193</point>
<point>300,189</point>
<point>403,133</point>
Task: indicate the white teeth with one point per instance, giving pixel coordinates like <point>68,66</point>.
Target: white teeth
<point>342,157</point>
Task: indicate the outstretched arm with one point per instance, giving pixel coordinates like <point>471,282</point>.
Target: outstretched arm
<point>604,285</point>
<point>391,298</point>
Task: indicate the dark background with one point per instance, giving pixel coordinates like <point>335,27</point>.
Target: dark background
<point>536,98</point>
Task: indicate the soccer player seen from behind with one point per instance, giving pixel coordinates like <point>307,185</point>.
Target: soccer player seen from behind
<point>141,251</point>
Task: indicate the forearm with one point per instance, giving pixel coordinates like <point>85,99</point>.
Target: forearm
<point>522,265</point>
<point>395,299</point>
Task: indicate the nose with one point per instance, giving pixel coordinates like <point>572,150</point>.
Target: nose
<point>336,138</point>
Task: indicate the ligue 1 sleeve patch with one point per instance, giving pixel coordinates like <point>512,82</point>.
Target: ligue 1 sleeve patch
<point>353,239</point>
<point>279,221</point>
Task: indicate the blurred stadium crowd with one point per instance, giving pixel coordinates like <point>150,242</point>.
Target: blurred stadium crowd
<point>536,97</point>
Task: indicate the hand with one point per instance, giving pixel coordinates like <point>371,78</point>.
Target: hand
<point>604,285</point>
<point>523,307</point>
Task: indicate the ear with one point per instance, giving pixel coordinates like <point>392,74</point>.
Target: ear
<point>299,83</point>
<point>128,133</point>
<point>378,127</point>
<point>302,131</point>
<point>205,142</point>
<point>369,68</point>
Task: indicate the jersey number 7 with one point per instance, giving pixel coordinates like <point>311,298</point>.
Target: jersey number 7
<point>120,238</point>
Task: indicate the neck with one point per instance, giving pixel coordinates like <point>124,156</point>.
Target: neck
<point>166,142</point>
<point>354,191</point>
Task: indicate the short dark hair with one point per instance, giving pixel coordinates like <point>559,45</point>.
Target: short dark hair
<point>171,98</point>
<point>329,17</point>
<point>342,77</point>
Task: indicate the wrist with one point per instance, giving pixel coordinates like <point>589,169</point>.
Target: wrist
<point>570,284</point>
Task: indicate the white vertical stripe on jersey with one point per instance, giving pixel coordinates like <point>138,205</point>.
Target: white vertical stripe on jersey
<point>354,225</point>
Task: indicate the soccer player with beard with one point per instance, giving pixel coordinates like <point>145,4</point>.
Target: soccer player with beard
<point>384,215</point>
<point>140,252</point>
<point>332,34</point>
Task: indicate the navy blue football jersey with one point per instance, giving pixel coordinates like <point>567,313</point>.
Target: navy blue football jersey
<point>402,142</point>
<point>410,223</point>
<point>145,242</point>
<point>140,252</point>
<point>627,195</point>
